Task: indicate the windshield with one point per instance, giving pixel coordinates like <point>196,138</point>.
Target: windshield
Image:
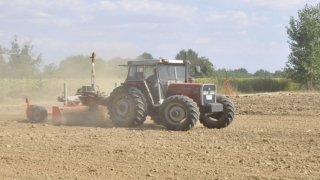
<point>135,73</point>
<point>171,72</point>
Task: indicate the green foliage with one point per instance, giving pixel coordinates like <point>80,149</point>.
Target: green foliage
<point>79,66</point>
<point>50,70</point>
<point>22,62</point>
<point>251,85</point>
<point>267,84</point>
<point>243,73</point>
<point>303,65</point>
<point>237,73</point>
<point>144,56</point>
<point>204,63</point>
<point>262,73</point>
<point>279,74</point>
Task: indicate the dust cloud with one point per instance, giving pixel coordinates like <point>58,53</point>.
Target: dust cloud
<point>84,118</point>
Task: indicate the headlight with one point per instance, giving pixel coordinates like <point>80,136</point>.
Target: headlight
<point>208,92</point>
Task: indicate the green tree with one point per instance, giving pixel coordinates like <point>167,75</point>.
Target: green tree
<point>79,66</point>
<point>206,66</point>
<point>278,74</point>
<point>144,56</point>
<point>223,73</point>
<point>50,70</point>
<point>22,62</point>
<point>303,65</point>
<point>237,73</point>
<point>240,73</point>
<point>114,68</point>
<point>262,73</point>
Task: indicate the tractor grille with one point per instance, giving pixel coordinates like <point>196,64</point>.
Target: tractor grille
<point>208,94</point>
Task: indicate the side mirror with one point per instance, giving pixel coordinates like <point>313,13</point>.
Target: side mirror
<point>197,69</point>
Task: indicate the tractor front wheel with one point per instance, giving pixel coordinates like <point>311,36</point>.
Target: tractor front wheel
<point>127,106</point>
<point>221,119</point>
<point>179,113</point>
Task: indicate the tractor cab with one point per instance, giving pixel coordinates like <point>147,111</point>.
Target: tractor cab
<point>153,77</point>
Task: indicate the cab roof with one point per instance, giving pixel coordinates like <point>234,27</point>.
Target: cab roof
<point>154,62</point>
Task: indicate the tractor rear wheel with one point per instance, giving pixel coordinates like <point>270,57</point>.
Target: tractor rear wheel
<point>39,113</point>
<point>179,113</point>
<point>221,119</point>
<point>127,106</point>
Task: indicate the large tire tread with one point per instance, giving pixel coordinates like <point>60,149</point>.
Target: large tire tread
<point>192,114</point>
<point>39,114</point>
<point>220,120</point>
<point>140,106</point>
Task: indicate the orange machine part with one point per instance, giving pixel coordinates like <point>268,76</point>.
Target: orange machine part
<point>57,112</point>
<point>228,90</point>
<point>28,111</point>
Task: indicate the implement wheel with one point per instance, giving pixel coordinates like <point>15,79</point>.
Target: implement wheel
<point>39,113</point>
<point>127,106</point>
<point>179,113</point>
<point>30,117</point>
<point>221,119</point>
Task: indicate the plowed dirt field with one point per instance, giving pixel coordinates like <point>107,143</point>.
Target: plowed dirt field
<point>274,136</point>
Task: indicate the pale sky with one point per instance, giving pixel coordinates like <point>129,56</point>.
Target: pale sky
<point>233,34</point>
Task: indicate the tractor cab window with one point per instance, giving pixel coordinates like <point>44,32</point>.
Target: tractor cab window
<point>171,72</point>
<point>135,73</point>
<point>150,70</point>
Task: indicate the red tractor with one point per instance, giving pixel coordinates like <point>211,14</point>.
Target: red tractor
<point>164,90</point>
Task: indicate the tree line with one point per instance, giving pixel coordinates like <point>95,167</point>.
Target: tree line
<point>20,61</point>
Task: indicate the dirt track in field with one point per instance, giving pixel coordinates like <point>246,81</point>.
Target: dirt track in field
<point>274,136</point>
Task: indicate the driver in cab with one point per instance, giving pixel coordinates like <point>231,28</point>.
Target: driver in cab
<point>152,80</point>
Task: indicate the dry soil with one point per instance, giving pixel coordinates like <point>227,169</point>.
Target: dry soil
<point>274,136</point>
